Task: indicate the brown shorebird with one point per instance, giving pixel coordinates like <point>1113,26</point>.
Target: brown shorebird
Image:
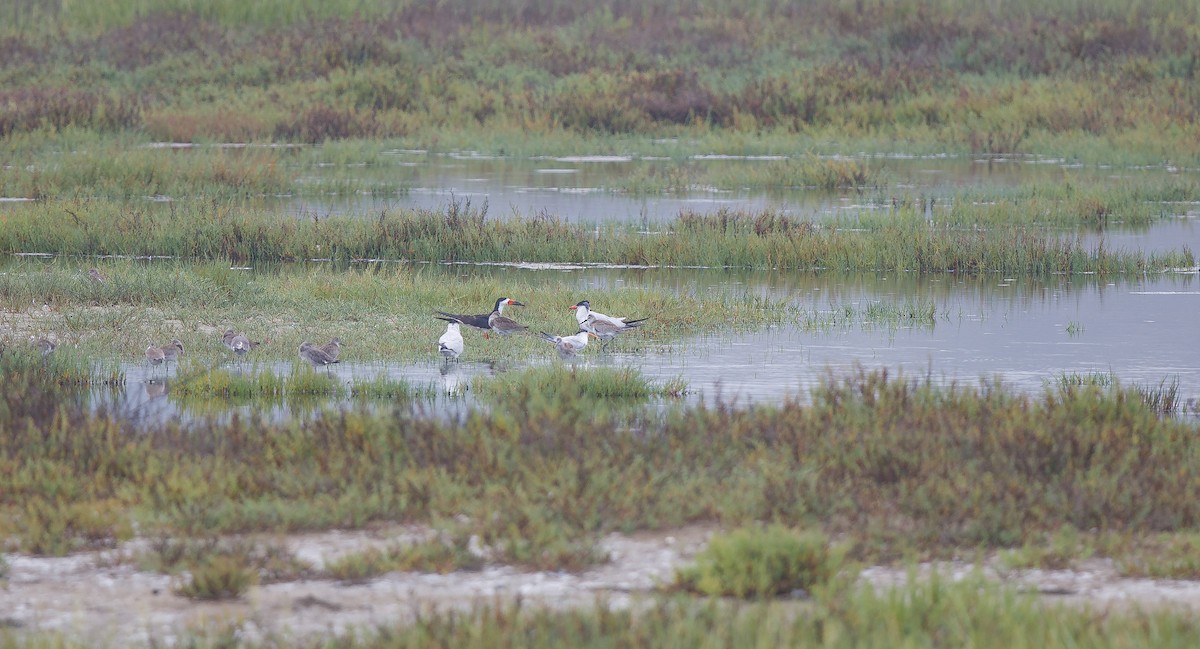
<point>97,276</point>
<point>238,343</point>
<point>43,345</point>
<point>333,348</point>
<point>172,350</point>
<point>478,321</point>
<point>450,345</point>
<point>501,324</point>
<point>315,355</point>
<point>569,346</point>
<point>155,355</point>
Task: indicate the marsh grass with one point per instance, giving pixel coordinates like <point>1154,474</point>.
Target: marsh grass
<point>270,562</point>
<point>894,466</point>
<point>554,383</point>
<point>937,611</point>
<point>461,232</point>
<point>1059,550</point>
<point>762,563</point>
<point>971,78</point>
<point>218,577</point>
<point>1162,556</point>
<point>441,554</point>
<point>256,383</point>
<point>382,387</point>
<point>1163,398</point>
<point>1095,379</point>
<point>380,311</point>
<point>52,526</point>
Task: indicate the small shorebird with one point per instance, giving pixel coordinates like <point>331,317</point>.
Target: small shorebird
<point>172,350</point>
<point>238,343</point>
<point>450,345</point>
<point>44,345</point>
<point>568,346</point>
<point>97,276</point>
<point>501,324</point>
<point>583,311</point>
<point>477,321</point>
<point>333,348</point>
<point>155,355</point>
<point>315,355</point>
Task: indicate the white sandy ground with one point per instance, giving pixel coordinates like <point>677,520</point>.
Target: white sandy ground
<point>107,602</point>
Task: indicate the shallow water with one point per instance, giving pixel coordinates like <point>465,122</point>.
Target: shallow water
<point>1027,335</point>
<point>595,189</point>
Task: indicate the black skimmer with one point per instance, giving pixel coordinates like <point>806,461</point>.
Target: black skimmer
<point>482,322</point>
<point>501,324</point>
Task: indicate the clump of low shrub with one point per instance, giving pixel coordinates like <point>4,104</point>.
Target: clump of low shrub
<point>763,562</point>
<point>221,576</point>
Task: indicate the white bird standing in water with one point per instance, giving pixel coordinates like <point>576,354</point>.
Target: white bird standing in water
<point>583,311</point>
<point>568,346</point>
<point>450,345</point>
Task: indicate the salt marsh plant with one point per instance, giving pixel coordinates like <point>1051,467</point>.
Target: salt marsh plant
<point>220,576</point>
<point>922,612</point>
<point>763,563</point>
<point>892,466</point>
<point>555,382</point>
<point>441,554</point>
<point>967,77</point>
<point>462,232</point>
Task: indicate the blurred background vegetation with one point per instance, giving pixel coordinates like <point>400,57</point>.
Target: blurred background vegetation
<point>989,77</point>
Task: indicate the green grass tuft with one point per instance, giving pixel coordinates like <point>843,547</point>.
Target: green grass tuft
<point>763,562</point>
<point>221,576</point>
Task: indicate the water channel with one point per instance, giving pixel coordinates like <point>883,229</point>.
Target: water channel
<point>1025,333</point>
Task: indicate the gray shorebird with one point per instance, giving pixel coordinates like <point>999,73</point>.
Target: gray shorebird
<point>172,350</point>
<point>502,324</point>
<point>97,276</point>
<point>315,355</point>
<point>333,348</point>
<point>44,345</point>
<point>568,346</point>
<point>450,345</point>
<point>155,356</point>
<point>239,344</point>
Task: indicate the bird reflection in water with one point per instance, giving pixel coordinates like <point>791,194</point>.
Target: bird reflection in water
<point>156,388</point>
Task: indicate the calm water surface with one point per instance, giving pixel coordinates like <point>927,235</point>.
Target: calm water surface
<point>1027,335</point>
<point>592,189</point>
